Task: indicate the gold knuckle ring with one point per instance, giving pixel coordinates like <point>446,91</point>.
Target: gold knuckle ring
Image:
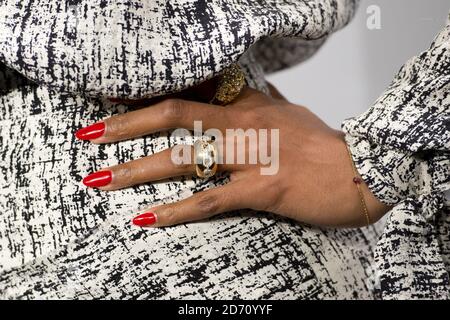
<point>205,151</point>
<point>231,82</point>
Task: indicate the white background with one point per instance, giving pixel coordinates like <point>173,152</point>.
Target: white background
<point>356,64</point>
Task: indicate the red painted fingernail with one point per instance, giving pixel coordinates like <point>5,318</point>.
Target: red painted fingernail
<point>98,179</point>
<point>145,219</point>
<point>91,132</point>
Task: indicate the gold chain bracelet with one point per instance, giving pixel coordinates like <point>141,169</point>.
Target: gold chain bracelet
<point>357,181</point>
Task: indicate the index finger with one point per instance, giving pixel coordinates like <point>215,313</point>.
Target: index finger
<point>168,114</point>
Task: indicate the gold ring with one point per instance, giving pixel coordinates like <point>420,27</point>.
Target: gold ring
<point>205,151</point>
<point>231,83</point>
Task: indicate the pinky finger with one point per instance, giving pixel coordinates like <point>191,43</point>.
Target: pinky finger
<point>200,206</point>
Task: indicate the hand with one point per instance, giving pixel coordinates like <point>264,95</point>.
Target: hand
<point>314,183</point>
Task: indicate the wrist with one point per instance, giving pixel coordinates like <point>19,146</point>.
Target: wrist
<point>366,207</point>
<point>374,208</point>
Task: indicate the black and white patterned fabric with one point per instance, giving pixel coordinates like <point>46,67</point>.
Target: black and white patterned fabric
<point>60,60</point>
<point>401,147</point>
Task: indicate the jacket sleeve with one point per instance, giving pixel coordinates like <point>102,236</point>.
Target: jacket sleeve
<point>274,54</point>
<point>135,49</point>
<point>401,147</point>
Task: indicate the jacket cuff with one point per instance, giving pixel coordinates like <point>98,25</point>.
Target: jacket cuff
<point>391,175</point>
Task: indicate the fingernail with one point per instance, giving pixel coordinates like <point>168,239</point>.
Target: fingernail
<point>145,219</point>
<point>91,132</point>
<point>98,179</point>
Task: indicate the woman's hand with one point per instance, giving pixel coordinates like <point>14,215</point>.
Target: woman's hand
<point>314,183</point>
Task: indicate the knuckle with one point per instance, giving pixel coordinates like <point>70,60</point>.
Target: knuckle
<point>275,197</point>
<point>234,176</point>
<point>170,216</point>
<point>174,110</point>
<point>118,127</point>
<point>125,174</point>
<point>254,118</point>
<point>303,109</point>
<point>208,203</point>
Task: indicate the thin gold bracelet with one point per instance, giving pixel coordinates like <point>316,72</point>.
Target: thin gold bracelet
<point>357,181</point>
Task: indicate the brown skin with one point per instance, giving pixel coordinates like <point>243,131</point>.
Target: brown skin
<point>313,185</point>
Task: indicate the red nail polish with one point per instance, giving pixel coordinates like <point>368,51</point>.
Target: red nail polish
<point>91,132</point>
<point>145,219</point>
<point>98,179</point>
